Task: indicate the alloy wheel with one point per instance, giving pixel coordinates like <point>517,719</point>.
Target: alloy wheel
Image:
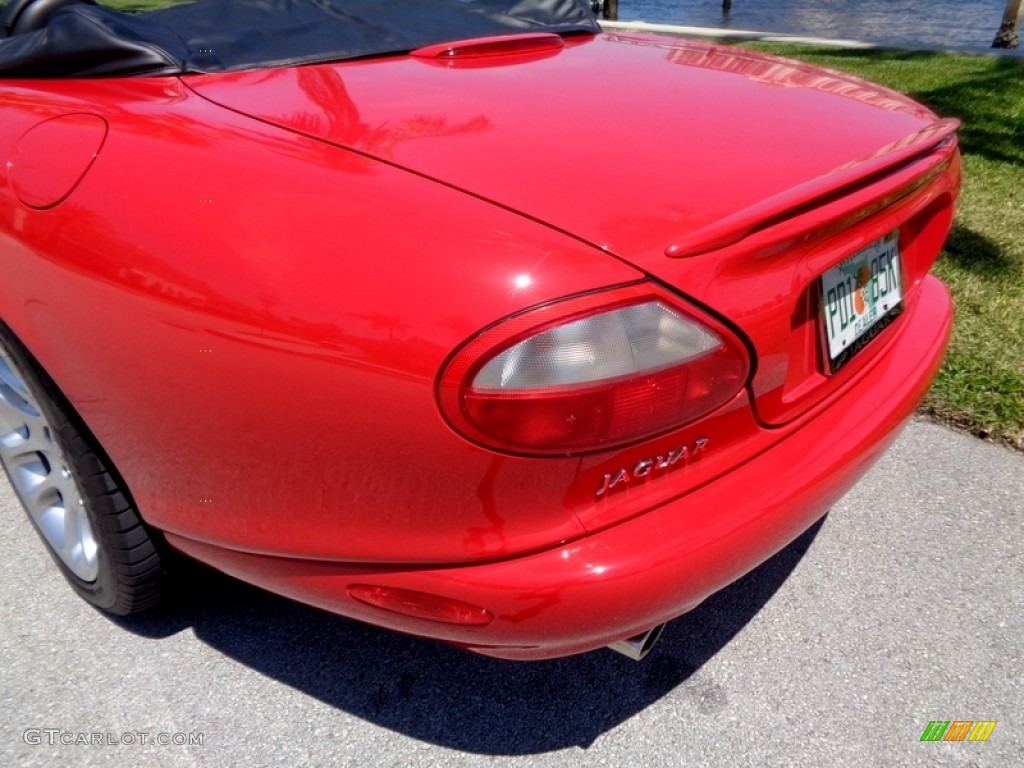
<point>41,476</point>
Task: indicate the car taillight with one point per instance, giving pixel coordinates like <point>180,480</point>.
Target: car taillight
<point>590,373</point>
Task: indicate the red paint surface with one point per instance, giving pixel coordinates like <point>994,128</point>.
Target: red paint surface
<point>51,158</point>
<point>251,315</point>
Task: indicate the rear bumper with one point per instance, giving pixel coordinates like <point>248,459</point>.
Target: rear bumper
<point>627,578</point>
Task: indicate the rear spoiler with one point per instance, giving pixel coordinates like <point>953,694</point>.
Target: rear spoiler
<point>819,191</point>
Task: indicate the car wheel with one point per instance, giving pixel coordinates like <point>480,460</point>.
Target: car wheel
<point>71,492</point>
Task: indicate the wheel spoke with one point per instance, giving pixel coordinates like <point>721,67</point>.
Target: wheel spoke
<point>50,519</point>
<point>83,548</point>
<point>31,436</point>
<point>12,435</point>
<point>29,473</point>
<point>14,394</point>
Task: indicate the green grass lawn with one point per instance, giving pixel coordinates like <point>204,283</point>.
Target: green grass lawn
<point>981,385</point>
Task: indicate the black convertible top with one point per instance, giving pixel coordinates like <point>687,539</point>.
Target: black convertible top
<point>81,40</point>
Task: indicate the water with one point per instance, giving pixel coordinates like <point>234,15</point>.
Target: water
<point>900,23</point>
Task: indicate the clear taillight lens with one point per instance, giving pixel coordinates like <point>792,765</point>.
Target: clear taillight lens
<point>591,373</point>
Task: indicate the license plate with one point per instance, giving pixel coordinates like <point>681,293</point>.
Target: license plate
<point>859,297</point>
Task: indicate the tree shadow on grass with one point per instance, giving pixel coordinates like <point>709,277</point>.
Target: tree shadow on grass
<point>989,129</point>
<point>975,253</point>
<point>441,695</point>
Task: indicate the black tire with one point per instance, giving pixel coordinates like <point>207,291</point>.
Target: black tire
<point>120,563</point>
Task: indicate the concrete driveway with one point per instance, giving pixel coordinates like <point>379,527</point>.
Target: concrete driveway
<point>905,605</point>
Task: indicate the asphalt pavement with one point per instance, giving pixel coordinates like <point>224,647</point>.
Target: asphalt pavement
<point>902,607</point>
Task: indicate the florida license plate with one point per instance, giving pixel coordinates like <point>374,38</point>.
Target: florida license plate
<point>859,297</point>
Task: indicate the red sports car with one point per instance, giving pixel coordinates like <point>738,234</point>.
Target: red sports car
<point>457,317</point>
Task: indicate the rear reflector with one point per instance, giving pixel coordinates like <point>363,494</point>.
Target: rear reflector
<point>420,605</point>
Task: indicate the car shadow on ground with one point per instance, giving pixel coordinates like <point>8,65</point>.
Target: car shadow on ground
<point>438,694</point>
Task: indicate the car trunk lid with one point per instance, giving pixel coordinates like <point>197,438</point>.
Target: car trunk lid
<point>734,177</point>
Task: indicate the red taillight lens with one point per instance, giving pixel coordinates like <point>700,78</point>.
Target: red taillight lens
<point>591,373</point>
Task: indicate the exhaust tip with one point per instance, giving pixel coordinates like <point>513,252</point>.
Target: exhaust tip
<point>638,646</point>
